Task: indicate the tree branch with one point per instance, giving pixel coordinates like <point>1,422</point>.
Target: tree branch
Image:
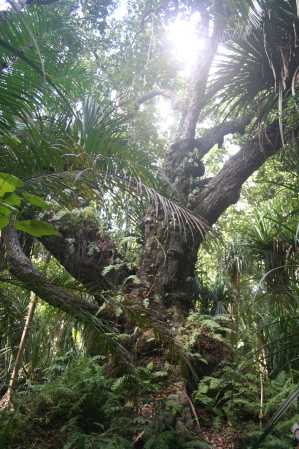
<point>196,97</point>
<point>152,94</point>
<point>21,267</point>
<point>216,135</point>
<point>196,94</point>
<point>85,252</point>
<point>179,150</point>
<point>224,189</point>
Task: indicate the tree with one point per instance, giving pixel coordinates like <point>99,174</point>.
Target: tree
<point>244,92</point>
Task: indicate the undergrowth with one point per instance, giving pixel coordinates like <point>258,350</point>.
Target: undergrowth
<point>78,404</point>
<point>80,407</point>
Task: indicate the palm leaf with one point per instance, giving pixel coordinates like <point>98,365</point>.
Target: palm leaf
<point>256,64</point>
<point>278,415</point>
<point>37,53</point>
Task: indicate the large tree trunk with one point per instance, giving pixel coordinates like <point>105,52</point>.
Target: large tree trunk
<point>170,252</point>
<point>167,268</point>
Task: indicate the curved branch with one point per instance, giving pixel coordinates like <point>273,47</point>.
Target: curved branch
<point>216,135</point>
<point>204,144</point>
<point>224,189</point>
<point>85,252</point>
<point>21,267</point>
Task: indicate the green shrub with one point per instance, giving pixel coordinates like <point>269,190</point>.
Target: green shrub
<point>12,427</point>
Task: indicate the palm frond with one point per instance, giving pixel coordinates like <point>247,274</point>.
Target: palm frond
<point>255,65</point>
<point>37,55</point>
<point>278,415</point>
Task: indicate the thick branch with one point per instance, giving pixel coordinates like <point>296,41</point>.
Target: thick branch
<point>196,94</point>
<point>216,135</point>
<point>204,144</point>
<point>22,268</point>
<point>85,252</point>
<point>224,189</point>
<point>152,94</point>
<point>196,98</point>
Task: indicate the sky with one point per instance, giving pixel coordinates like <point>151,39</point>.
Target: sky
<point>184,41</point>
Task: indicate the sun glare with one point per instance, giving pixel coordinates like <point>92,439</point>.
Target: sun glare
<point>3,5</point>
<point>185,42</point>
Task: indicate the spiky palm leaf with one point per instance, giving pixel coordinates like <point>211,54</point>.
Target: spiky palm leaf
<point>37,54</point>
<point>261,63</point>
<point>277,416</point>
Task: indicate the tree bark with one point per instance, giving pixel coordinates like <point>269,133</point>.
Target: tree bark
<point>21,267</point>
<point>224,189</point>
<point>167,267</point>
<point>85,252</point>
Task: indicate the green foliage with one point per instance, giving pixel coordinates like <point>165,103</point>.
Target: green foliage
<point>234,396</point>
<point>9,183</point>
<point>80,400</point>
<point>10,204</point>
<point>141,382</point>
<point>84,441</point>
<point>12,424</point>
<point>37,228</point>
<point>252,72</point>
<point>70,135</point>
<point>85,408</point>
<point>35,200</point>
<point>170,440</point>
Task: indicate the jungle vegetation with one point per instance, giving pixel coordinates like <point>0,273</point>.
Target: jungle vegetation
<point>149,228</point>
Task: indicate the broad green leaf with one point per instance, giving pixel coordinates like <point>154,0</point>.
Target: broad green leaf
<point>13,199</point>
<point>36,228</point>
<point>4,210</point>
<point>3,221</point>
<point>8,183</point>
<point>35,200</point>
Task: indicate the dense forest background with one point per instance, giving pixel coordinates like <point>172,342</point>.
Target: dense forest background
<point>149,231</point>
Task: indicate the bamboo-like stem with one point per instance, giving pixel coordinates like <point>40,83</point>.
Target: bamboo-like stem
<point>261,414</point>
<point>6,400</point>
